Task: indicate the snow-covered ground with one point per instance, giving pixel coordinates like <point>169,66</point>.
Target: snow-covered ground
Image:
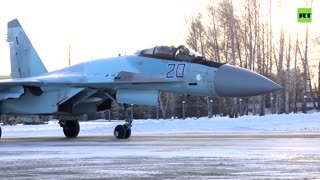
<point>249,147</point>
<point>275,122</point>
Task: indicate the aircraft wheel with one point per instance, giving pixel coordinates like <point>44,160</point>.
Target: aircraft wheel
<point>71,128</point>
<point>128,133</point>
<point>0,132</point>
<point>120,132</point>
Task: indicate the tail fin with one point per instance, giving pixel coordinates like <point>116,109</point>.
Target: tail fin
<point>25,62</point>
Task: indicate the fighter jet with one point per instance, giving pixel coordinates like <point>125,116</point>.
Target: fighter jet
<point>92,86</point>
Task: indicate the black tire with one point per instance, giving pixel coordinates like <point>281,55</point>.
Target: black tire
<point>128,132</point>
<point>71,129</point>
<point>120,132</point>
<point>0,132</point>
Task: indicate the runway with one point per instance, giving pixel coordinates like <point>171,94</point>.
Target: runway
<point>240,155</point>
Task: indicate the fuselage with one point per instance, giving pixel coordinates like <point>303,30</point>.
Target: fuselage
<point>135,79</point>
<point>178,77</point>
<point>195,79</point>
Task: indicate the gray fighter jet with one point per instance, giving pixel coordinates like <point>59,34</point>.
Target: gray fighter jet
<point>92,86</point>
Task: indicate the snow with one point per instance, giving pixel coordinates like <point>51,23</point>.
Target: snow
<point>153,152</point>
<point>273,122</point>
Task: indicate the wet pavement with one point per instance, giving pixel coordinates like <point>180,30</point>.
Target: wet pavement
<point>255,155</point>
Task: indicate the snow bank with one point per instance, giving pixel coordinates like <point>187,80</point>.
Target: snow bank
<point>275,122</point>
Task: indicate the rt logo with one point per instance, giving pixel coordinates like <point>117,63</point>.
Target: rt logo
<point>304,15</point>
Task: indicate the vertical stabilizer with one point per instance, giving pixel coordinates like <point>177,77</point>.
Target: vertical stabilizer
<point>25,61</point>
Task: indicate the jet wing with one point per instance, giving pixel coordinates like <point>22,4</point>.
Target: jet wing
<point>65,80</point>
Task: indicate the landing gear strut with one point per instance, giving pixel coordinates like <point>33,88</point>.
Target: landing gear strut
<point>124,131</point>
<point>71,128</point>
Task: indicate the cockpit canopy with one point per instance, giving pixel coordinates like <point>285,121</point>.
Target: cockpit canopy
<point>181,53</point>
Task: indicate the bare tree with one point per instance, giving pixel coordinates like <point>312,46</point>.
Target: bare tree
<point>212,35</point>
<point>295,108</point>
<point>305,61</point>
<point>249,41</point>
<point>288,77</point>
<point>167,104</point>
<point>318,88</point>
<point>280,63</point>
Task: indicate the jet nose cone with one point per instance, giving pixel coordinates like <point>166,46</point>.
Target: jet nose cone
<point>231,81</point>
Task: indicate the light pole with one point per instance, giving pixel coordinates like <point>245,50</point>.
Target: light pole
<point>220,106</point>
<point>109,114</point>
<point>183,110</point>
<point>305,104</point>
<point>158,112</point>
<point>240,107</point>
<point>131,114</point>
<point>272,111</point>
<point>210,108</point>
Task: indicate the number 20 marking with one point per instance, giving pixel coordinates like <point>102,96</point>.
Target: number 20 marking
<point>175,70</point>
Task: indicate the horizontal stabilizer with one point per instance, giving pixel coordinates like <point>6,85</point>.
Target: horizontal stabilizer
<point>11,92</point>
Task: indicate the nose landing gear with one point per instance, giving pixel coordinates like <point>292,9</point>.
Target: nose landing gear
<point>124,131</point>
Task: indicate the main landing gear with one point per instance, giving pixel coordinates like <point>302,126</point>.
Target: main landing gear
<point>71,128</point>
<point>124,131</point>
<point>0,132</point>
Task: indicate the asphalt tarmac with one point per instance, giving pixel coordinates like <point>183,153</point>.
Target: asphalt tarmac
<point>255,155</point>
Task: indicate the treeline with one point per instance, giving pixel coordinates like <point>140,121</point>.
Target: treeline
<point>245,34</point>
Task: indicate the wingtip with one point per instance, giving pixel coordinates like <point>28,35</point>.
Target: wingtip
<point>14,23</point>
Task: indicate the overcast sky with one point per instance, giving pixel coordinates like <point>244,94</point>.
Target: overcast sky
<point>104,28</point>
<point>95,28</point>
